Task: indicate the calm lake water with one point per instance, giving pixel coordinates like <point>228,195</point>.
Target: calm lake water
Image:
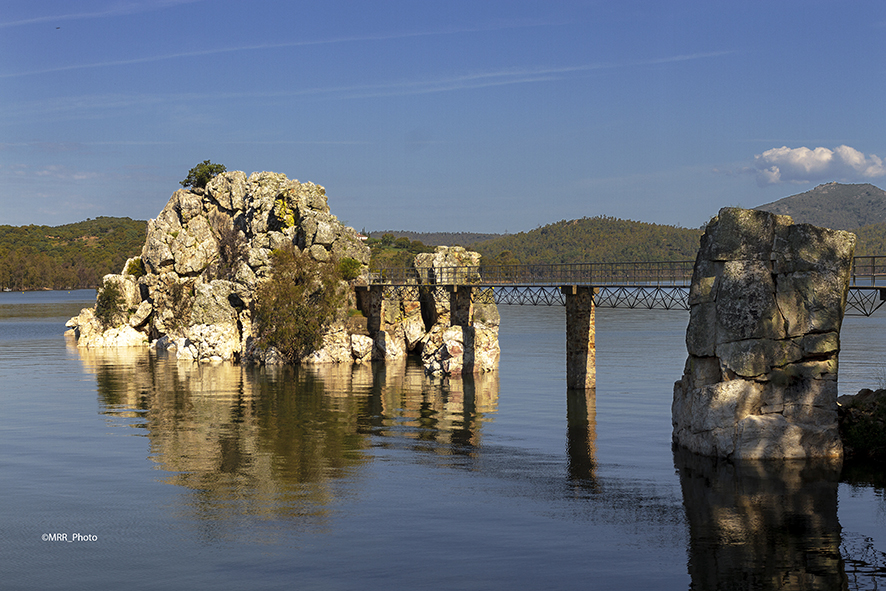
<point>125,471</point>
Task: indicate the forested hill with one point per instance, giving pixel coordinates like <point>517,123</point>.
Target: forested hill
<point>598,239</point>
<point>871,240</point>
<point>67,257</point>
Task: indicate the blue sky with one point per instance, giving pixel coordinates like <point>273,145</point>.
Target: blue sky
<point>482,116</point>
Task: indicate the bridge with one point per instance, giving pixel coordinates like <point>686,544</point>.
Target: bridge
<point>581,287</point>
<point>662,285</point>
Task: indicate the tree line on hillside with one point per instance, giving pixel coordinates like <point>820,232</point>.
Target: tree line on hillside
<point>599,239</point>
<point>72,256</point>
<point>390,252</point>
<point>78,255</point>
<point>871,240</point>
<point>465,239</point>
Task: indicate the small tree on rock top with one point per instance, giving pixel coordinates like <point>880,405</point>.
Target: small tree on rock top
<point>202,174</point>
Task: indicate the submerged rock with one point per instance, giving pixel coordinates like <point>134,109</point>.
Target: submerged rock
<point>863,424</point>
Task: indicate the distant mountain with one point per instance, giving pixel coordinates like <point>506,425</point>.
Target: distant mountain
<point>437,238</point>
<point>834,205</point>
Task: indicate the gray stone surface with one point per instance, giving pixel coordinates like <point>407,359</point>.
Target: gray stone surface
<point>766,306</point>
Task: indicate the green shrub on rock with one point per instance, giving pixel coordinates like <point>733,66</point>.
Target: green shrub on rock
<point>109,300</point>
<point>297,304</point>
<point>135,267</point>
<point>201,174</point>
<point>349,268</point>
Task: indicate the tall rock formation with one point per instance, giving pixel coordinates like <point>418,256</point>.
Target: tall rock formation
<point>191,291</point>
<point>766,306</point>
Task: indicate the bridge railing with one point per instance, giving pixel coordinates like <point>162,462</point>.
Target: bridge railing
<point>869,270</point>
<point>656,273</point>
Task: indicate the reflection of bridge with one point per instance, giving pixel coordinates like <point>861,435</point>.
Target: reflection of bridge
<point>581,288</point>
<point>662,285</point>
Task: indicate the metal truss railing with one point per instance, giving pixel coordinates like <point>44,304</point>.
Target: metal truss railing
<point>659,285</point>
<point>672,273</point>
<point>866,271</point>
<point>862,301</point>
<point>527,296</point>
<point>650,298</point>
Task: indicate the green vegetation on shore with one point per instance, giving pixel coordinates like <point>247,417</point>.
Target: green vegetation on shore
<point>71,256</point>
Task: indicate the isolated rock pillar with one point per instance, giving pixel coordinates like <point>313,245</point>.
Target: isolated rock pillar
<point>766,306</point>
<point>581,353</point>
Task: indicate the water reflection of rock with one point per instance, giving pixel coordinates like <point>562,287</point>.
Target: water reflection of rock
<point>763,524</point>
<point>443,415</point>
<point>271,441</point>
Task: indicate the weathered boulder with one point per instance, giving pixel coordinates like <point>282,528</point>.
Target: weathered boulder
<point>766,307</point>
<point>461,349</point>
<point>447,265</point>
<point>90,333</point>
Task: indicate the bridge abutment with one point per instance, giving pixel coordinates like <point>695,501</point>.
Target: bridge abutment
<point>461,305</point>
<point>581,351</point>
<point>374,308</point>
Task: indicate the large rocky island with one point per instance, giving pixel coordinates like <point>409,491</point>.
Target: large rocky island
<point>193,290</point>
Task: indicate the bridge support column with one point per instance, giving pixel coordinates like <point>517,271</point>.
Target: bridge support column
<point>581,352</point>
<point>375,314</point>
<point>461,305</point>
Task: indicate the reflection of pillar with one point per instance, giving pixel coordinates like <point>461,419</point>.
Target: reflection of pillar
<point>581,433</point>
<point>761,524</point>
<point>461,305</point>
<point>463,432</point>
<point>581,370</point>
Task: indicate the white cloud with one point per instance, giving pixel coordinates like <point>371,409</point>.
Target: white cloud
<point>802,165</point>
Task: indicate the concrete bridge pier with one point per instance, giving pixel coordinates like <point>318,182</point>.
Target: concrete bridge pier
<point>581,352</point>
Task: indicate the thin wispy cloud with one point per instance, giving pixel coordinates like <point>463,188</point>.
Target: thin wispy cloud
<point>500,78</point>
<point>281,45</point>
<point>101,104</point>
<point>116,9</point>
